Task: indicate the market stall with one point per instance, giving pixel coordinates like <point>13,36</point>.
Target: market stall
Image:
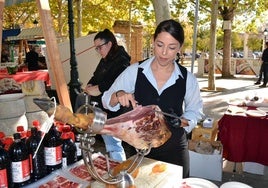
<point>243,133</point>
<point>21,77</point>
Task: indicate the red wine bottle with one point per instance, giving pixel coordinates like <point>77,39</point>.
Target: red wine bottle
<point>20,165</point>
<point>69,151</point>
<point>37,164</point>
<point>53,149</point>
<point>5,170</point>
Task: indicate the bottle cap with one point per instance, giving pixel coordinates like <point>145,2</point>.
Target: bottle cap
<point>2,134</point>
<point>7,142</point>
<point>36,124</point>
<point>65,136</point>
<point>20,128</point>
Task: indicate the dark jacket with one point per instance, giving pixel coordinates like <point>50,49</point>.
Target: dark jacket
<point>265,55</point>
<point>32,60</point>
<point>107,71</point>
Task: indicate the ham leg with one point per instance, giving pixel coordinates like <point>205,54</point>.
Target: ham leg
<point>142,127</point>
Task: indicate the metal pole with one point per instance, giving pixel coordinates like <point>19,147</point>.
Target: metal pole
<point>195,35</point>
<point>74,83</point>
<point>130,25</point>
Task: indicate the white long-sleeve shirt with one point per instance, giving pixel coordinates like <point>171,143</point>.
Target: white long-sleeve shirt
<point>193,104</point>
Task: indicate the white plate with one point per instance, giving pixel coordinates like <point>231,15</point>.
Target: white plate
<point>233,184</point>
<point>11,97</point>
<point>255,113</point>
<point>265,109</point>
<point>197,183</point>
<point>236,101</point>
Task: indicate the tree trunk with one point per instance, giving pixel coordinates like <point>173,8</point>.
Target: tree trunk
<point>226,61</point>
<point>245,45</point>
<point>212,51</point>
<point>227,13</point>
<point>161,9</point>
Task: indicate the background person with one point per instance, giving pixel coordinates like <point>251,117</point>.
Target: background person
<point>159,80</point>
<point>264,68</point>
<point>5,56</point>
<point>32,59</point>
<point>114,60</point>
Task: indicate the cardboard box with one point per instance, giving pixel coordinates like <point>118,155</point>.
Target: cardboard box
<point>254,168</point>
<point>200,133</point>
<point>208,166</point>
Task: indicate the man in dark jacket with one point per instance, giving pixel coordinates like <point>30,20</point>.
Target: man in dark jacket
<point>264,67</point>
<point>32,59</point>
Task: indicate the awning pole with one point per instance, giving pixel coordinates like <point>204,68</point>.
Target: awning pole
<point>74,83</point>
<point>2,3</point>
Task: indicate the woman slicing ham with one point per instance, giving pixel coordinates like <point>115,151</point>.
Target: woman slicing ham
<point>160,81</point>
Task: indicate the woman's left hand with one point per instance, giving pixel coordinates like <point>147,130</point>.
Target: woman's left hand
<point>92,90</point>
<point>184,122</point>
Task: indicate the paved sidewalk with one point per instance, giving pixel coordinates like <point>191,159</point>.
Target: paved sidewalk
<point>215,102</point>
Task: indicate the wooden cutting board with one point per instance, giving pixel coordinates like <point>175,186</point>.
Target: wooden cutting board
<point>151,175</point>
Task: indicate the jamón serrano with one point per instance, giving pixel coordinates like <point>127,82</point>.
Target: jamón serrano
<point>142,127</point>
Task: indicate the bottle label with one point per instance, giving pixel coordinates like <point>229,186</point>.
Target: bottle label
<point>20,171</point>
<point>53,155</point>
<point>3,178</point>
<point>64,162</point>
<point>78,149</point>
<point>31,162</point>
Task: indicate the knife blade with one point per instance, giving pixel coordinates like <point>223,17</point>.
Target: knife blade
<point>167,114</point>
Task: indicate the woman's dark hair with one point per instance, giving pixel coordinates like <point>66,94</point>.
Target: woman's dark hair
<point>107,36</point>
<point>173,27</point>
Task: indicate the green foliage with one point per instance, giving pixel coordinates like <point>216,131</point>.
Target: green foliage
<point>203,40</point>
<point>255,43</point>
<point>100,14</point>
<point>237,42</point>
<point>19,16</point>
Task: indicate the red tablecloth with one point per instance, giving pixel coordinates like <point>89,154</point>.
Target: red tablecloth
<point>21,77</point>
<point>244,138</point>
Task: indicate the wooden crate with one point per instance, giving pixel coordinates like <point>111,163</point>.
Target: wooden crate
<point>199,133</point>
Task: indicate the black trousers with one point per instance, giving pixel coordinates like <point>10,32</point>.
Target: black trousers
<point>174,151</point>
<point>261,73</point>
<point>265,73</point>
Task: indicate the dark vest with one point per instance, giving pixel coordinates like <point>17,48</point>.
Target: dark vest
<point>171,98</point>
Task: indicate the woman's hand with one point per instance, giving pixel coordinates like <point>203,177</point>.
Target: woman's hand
<point>92,90</point>
<point>184,122</point>
<point>124,99</point>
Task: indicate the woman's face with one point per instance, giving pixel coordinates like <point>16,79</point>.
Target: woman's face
<point>166,48</point>
<point>102,47</point>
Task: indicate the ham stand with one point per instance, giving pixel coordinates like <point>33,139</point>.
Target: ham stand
<point>87,140</point>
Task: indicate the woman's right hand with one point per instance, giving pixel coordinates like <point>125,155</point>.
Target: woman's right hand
<point>125,99</point>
